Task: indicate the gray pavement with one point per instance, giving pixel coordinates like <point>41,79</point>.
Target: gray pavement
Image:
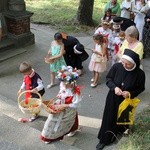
<point>20,136</point>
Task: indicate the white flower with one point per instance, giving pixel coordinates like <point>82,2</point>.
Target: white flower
<point>64,68</point>
<point>69,68</point>
<point>75,74</point>
<point>68,78</point>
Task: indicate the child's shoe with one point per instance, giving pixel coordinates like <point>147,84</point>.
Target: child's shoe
<point>72,133</point>
<point>50,85</point>
<point>47,142</point>
<point>92,80</point>
<point>33,118</point>
<point>93,85</point>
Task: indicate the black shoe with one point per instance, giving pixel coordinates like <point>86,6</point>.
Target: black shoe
<point>100,146</point>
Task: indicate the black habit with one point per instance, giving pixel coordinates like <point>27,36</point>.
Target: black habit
<point>69,56</point>
<point>125,24</point>
<point>132,81</point>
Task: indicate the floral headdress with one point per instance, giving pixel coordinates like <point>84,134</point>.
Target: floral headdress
<point>67,74</point>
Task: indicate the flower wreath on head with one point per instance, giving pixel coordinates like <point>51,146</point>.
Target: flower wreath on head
<point>69,75</point>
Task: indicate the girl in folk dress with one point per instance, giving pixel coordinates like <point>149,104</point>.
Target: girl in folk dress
<point>64,118</point>
<point>56,58</point>
<point>98,51</point>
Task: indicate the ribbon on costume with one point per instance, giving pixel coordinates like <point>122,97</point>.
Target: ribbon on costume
<point>27,81</point>
<point>77,90</point>
<point>68,100</point>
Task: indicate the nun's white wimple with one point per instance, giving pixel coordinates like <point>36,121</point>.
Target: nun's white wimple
<point>128,58</point>
<point>76,51</point>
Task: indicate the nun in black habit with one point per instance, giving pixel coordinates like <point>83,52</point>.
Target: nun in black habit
<point>123,78</point>
<point>123,22</point>
<point>75,53</point>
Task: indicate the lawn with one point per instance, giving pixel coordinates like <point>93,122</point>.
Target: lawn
<point>60,13</point>
<point>140,138</point>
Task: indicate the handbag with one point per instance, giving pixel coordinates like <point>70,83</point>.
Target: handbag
<point>99,59</point>
<point>126,111</point>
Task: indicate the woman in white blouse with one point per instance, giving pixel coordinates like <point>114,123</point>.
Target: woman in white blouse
<point>126,8</point>
<point>140,8</point>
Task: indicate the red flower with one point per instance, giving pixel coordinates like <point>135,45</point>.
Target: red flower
<point>74,70</point>
<point>63,76</point>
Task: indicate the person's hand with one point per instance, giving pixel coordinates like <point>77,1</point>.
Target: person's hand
<point>49,52</point>
<point>58,96</point>
<point>148,20</point>
<point>19,92</point>
<point>48,60</point>
<point>93,50</point>
<point>34,90</point>
<point>125,94</point>
<point>118,91</point>
<point>61,107</point>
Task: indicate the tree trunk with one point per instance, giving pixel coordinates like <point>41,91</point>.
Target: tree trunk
<point>85,12</point>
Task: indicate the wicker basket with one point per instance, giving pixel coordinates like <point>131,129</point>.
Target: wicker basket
<point>48,105</point>
<point>33,106</point>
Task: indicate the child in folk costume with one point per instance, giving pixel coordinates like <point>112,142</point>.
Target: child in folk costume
<point>64,118</point>
<point>117,44</point>
<point>33,82</point>
<point>98,52</point>
<point>56,58</point>
<point>111,38</point>
<point>104,29</point>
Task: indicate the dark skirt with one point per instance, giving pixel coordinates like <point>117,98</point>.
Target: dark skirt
<point>146,40</point>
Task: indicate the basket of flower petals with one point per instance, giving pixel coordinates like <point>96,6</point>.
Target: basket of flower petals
<point>50,106</point>
<point>29,105</point>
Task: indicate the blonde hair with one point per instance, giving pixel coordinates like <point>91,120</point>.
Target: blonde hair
<point>132,31</point>
<point>25,67</point>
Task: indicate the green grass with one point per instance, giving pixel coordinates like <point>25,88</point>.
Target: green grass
<point>60,13</point>
<point>140,138</point>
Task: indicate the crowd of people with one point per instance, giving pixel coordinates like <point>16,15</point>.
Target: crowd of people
<point>130,20</point>
<point>131,12</point>
<point>118,39</point>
